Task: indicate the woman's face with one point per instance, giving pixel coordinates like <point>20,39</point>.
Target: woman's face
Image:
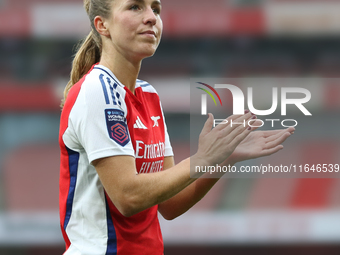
<point>135,27</point>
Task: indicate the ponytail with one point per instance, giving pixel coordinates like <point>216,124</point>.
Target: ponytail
<point>89,50</point>
<point>87,55</point>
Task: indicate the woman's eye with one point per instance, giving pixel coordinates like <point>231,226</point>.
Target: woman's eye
<point>134,7</point>
<point>156,10</point>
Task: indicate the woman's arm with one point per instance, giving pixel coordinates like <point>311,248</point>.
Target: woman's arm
<point>188,197</point>
<point>257,144</point>
<point>132,193</point>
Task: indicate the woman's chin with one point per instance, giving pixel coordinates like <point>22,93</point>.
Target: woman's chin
<point>146,53</point>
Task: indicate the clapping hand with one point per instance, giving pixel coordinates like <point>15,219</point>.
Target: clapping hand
<point>259,144</point>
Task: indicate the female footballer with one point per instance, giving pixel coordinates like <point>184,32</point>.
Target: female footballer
<point>117,166</point>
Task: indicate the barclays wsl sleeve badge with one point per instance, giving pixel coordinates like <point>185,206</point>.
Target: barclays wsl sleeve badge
<point>116,126</point>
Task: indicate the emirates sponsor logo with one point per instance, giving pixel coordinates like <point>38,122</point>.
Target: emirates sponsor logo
<point>149,151</point>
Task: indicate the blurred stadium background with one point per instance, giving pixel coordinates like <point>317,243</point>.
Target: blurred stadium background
<point>217,38</point>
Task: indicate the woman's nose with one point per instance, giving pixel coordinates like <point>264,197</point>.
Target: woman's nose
<point>150,16</point>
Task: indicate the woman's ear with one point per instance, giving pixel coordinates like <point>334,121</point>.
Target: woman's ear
<point>100,25</point>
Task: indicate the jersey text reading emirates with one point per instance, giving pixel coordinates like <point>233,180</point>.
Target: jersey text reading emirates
<point>150,151</point>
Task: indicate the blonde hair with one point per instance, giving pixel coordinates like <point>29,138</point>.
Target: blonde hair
<point>89,50</point>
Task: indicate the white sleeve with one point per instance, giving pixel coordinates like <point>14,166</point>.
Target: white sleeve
<point>168,148</point>
<point>99,119</point>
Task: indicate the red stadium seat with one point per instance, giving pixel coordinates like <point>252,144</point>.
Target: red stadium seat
<point>31,177</point>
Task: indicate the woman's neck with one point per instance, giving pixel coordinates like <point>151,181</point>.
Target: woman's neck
<point>126,71</point>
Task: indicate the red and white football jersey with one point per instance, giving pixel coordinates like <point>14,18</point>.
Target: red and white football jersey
<point>102,118</point>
